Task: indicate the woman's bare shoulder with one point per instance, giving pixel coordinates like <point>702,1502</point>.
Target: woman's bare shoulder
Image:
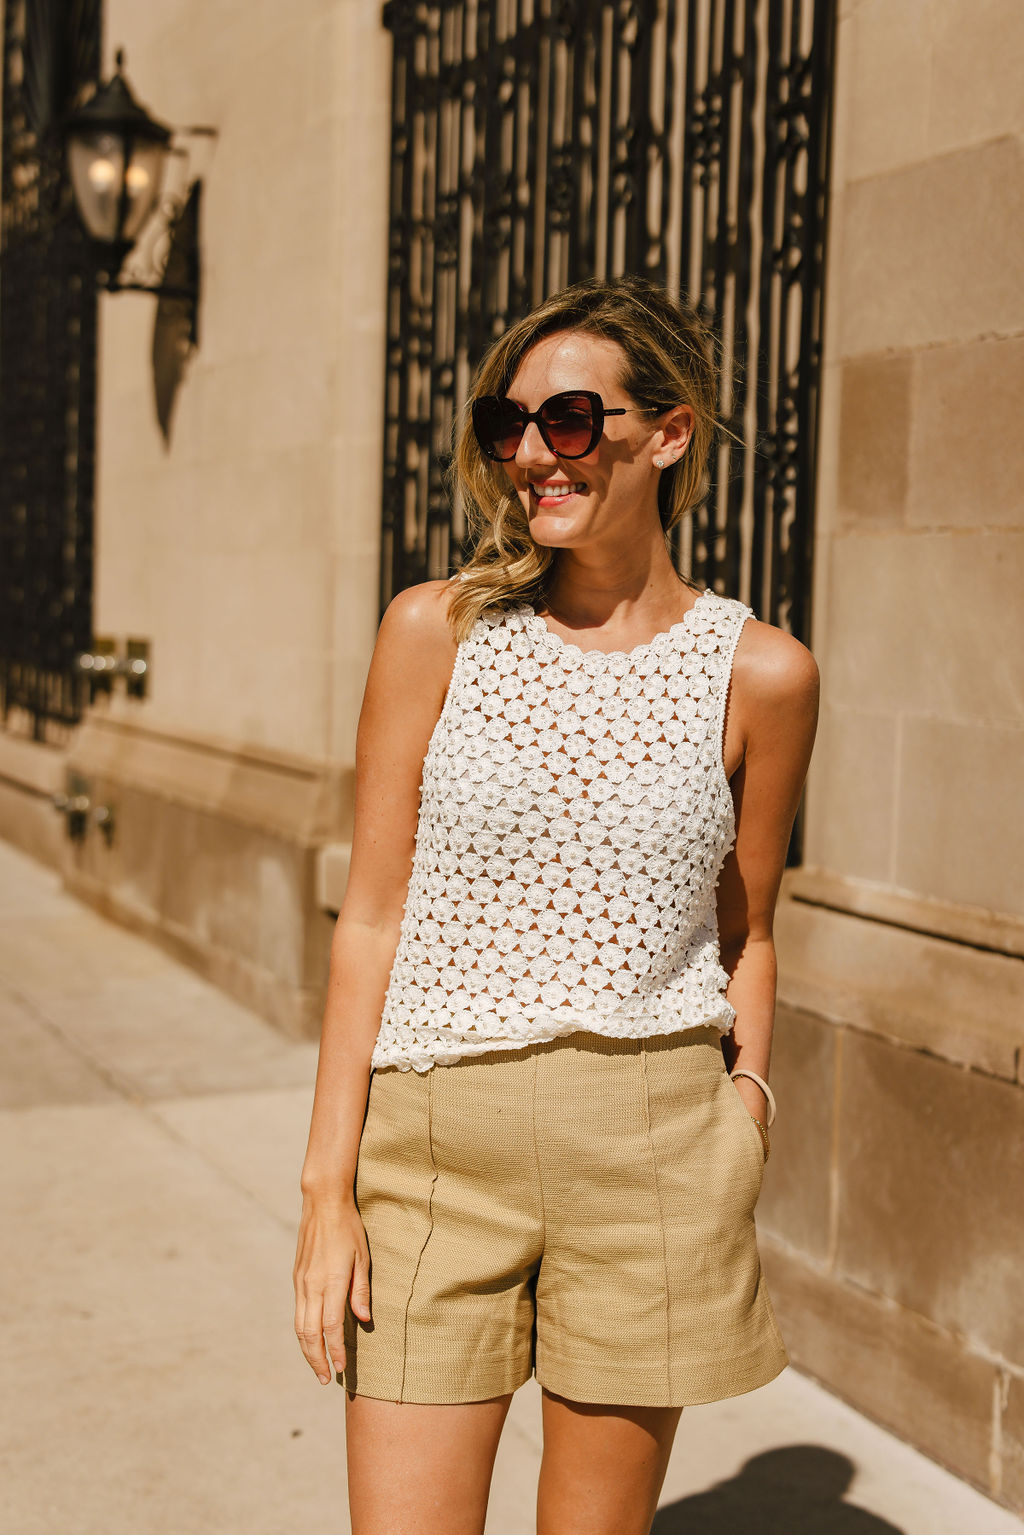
<point>774,671</point>
<point>414,639</point>
<point>421,609</point>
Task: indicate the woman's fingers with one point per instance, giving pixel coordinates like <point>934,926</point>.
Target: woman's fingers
<point>332,1263</point>
<point>309,1329</point>
<point>334,1319</point>
<point>310,1334</point>
<point>360,1293</point>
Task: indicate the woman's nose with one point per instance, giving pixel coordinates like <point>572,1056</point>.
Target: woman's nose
<point>532,448</point>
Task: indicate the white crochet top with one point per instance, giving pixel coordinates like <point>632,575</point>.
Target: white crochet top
<point>574,817</point>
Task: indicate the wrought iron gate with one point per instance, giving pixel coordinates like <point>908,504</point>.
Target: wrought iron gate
<point>536,142</point>
<point>47,371</point>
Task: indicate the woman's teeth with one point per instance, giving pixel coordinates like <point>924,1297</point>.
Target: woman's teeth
<point>556,490</point>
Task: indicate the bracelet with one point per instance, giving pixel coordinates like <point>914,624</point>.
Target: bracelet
<point>743,1071</point>
<point>766,1143</point>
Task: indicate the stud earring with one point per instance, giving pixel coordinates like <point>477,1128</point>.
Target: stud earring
<point>659,463</point>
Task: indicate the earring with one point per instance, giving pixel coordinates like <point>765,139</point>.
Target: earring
<point>659,463</point>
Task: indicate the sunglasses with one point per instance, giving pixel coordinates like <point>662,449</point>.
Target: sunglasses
<point>570,423</point>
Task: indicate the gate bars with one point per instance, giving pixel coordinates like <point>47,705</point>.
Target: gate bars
<point>536,142</point>
<point>48,306</point>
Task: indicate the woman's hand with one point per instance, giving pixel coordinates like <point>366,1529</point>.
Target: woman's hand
<point>753,1097</point>
<point>332,1266</point>
<point>755,1101</point>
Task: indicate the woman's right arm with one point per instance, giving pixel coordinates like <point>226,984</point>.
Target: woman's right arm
<point>405,688</point>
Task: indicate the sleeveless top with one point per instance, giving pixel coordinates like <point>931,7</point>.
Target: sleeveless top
<point>574,818</point>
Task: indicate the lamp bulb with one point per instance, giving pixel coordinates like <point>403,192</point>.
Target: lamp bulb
<point>102,174</point>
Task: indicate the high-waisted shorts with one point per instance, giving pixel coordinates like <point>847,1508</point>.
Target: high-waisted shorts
<point>581,1209</point>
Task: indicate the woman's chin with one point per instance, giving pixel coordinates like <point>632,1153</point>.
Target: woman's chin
<point>553,524</point>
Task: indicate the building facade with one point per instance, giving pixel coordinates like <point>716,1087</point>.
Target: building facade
<point>247,551</point>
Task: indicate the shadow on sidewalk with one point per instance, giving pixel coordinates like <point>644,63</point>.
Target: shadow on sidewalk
<point>798,1490</point>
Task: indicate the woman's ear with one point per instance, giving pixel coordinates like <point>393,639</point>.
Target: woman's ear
<point>676,431</point>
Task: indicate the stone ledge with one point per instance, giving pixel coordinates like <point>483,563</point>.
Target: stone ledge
<point>293,1009</point>
<point>31,772</point>
<point>33,766</point>
<point>962,1004</point>
<point>893,1365</point>
<point>213,854</point>
<point>1011,1441</point>
<point>294,796</point>
<point>980,929</point>
<point>332,865</point>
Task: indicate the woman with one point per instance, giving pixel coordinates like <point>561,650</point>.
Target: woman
<point>554,948</point>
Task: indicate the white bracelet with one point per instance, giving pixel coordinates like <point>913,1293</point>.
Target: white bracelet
<point>742,1071</point>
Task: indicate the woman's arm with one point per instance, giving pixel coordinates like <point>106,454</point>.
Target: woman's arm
<point>405,688</point>
<point>775,692</point>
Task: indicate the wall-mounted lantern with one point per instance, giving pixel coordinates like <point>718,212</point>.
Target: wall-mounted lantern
<point>117,157</point>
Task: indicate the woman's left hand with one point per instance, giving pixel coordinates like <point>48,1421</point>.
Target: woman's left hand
<point>753,1097</point>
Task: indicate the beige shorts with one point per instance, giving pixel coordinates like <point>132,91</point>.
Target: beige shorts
<point>581,1209</point>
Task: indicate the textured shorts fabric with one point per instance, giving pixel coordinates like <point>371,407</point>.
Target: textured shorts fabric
<point>581,1209</point>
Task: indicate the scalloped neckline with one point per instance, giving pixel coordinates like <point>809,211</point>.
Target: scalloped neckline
<point>535,624</point>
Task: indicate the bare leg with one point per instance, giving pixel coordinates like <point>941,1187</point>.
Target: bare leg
<point>603,1467</point>
<point>420,1470</point>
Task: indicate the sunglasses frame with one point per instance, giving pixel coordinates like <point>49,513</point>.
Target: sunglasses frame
<point>599,413</point>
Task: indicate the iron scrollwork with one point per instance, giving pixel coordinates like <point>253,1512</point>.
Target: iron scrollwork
<point>48,364</point>
<point>536,142</point>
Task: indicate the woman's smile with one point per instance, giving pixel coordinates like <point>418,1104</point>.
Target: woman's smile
<point>545,493</point>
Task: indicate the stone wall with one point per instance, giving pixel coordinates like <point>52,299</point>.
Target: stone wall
<point>246,551</point>
<point>892,1219</point>
<point>247,554</point>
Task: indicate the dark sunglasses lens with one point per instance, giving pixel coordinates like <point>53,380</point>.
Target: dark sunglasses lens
<point>498,425</point>
<point>569,423</point>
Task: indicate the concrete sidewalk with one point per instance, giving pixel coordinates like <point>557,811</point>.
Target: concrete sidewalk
<point>151,1137</point>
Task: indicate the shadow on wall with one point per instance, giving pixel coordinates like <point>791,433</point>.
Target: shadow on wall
<point>795,1491</point>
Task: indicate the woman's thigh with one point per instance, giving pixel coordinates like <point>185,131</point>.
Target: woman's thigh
<point>417,1467</point>
<point>603,1466</point>
<point>650,1291</point>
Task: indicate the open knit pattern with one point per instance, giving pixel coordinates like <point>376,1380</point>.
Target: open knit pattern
<point>574,818</point>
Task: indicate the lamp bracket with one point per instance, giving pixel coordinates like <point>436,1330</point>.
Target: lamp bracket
<point>140,267</point>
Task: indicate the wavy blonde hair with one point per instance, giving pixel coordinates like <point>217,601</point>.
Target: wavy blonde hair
<point>669,359</point>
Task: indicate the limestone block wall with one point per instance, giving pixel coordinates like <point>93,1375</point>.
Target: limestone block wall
<point>246,551</point>
<point>921,498</point>
<point>891,1214</point>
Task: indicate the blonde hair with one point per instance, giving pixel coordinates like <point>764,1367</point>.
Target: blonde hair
<point>669,359</point>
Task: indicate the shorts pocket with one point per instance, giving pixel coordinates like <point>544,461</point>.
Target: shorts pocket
<point>750,1129</point>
